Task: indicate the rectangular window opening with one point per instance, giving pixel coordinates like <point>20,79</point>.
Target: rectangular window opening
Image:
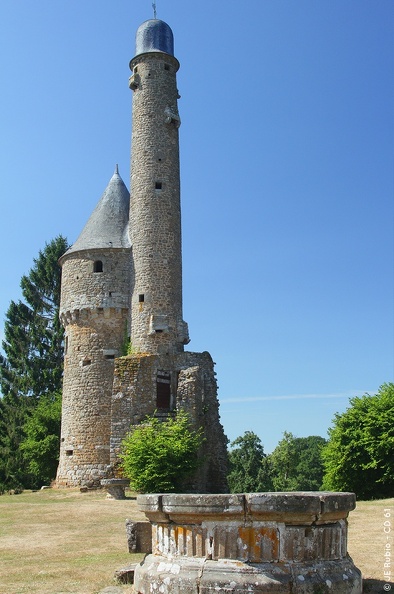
<point>69,452</point>
<point>166,66</point>
<point>141,298</point>
<point>163,391</point>
<point>158,185</point>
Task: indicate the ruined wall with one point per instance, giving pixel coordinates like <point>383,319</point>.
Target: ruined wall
<point>193,388</point>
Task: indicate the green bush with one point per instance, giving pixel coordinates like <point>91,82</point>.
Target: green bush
<point>159,456</point>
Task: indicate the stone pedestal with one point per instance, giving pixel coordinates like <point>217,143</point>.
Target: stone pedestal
<point>115,487</point>
<point>293,543</point>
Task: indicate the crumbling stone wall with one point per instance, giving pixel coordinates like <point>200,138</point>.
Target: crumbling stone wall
<point>193,389</point>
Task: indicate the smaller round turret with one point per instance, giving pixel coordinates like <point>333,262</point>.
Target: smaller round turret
<point>94,310</point>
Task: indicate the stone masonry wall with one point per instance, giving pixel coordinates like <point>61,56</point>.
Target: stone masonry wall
<point>94,339</point>
<point>193,389</point>
<point>94,311</point>
<point>155,214</point>
<point>83,288</point>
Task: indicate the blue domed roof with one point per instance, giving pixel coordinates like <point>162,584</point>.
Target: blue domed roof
<point>154,36</point>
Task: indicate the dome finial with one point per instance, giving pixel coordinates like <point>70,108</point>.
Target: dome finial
<point>154,35</point>
<point>154,9</point>
<point>116,172</point>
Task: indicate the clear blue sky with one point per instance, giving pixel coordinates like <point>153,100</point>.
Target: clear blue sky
<point>287,181</point>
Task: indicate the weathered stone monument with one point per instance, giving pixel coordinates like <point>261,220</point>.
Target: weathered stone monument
<point>282,543</point>
<point>123,278</point>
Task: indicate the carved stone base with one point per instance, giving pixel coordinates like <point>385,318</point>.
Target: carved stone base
<point>293,543</point>
<point>202,576</point>
<point>115,488</point>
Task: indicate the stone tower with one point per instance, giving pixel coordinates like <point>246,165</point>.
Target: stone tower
<point>108,286</point>
<point>94,308</point>
<point>155,214</point>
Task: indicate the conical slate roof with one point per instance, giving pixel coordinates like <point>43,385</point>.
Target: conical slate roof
<point>107,226</point>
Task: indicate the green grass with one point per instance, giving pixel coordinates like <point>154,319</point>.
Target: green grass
<point>58,541</point>
<point>63,541</point>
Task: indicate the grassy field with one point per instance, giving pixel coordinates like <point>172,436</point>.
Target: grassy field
<point>64,541</point>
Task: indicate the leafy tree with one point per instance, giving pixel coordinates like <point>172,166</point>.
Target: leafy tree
<point>40,447</point>
<point>296,463</point>
<point>309,469</point>
<point>31,366</point>
<point>283,462</point>
<point>249,471</point>
<point>13,472</point>
<point>159,456</point>
<point>359,455</point>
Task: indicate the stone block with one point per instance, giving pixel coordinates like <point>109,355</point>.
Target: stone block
<point>115,487</point>
<point>152,506</point>
<point>125,575</point>
<point>209,505</point>
<point>139,536</point>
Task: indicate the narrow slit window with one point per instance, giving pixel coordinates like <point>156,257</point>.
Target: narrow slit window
<point>166,66</point>
<point>141,298</point>
<point>98,266</point>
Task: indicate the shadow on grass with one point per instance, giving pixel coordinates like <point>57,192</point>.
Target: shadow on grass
<point>371,586</point>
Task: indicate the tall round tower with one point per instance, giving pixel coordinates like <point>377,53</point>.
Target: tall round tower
<point>155,214</point>
<point>95,295</point>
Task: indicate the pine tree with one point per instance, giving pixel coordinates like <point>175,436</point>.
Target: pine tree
<point>31,366</point>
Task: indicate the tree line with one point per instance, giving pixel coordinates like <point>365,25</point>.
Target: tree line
<point>358,455</point>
